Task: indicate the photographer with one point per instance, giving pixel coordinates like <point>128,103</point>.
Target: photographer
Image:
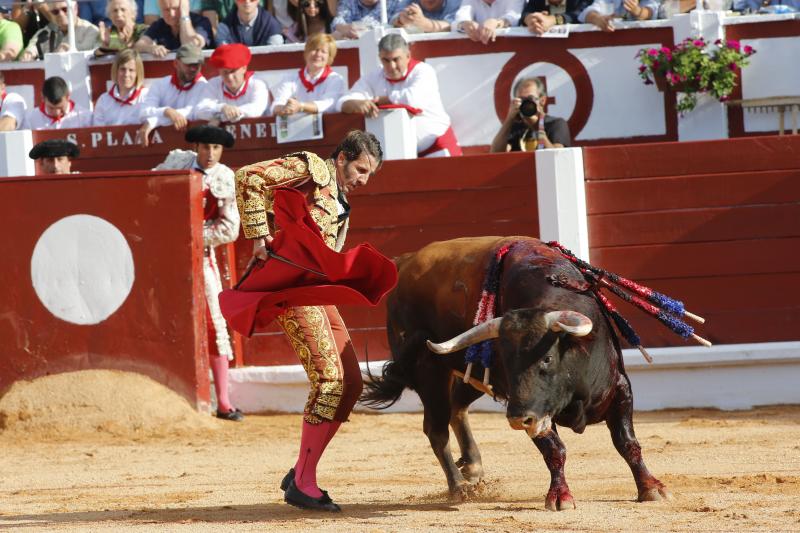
<point>521,130</point>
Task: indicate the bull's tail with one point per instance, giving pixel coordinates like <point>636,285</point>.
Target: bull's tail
<point>381,392</point>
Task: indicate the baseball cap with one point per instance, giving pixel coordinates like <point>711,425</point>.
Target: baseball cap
<point>189,54</point>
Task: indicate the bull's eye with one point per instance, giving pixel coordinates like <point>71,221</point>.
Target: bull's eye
<point>547,359</point>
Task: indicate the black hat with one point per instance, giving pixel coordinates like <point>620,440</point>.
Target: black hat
<point>54,148</point>
<point>209,134</point>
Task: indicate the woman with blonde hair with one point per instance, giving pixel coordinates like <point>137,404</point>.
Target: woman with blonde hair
<point>121,104</point>
<point>314,88</point>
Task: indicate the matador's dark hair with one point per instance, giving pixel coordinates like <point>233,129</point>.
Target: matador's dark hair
<point>357,142</point>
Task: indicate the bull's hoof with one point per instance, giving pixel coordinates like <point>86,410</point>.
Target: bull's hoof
<point>462,492</point>
<point>559,499</point>
<point>655,494</point>
<point>472,472</point>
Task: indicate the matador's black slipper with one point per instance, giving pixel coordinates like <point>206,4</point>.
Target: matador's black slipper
<point>234,415</point>
<point>289,477</point>
<point>293,496</point>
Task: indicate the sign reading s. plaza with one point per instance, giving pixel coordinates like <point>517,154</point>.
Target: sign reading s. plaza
<point>117,136</point>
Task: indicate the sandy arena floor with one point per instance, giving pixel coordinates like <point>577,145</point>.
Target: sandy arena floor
<point>728,471</point>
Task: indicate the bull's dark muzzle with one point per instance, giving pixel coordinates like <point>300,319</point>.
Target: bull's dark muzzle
<point>531,423</point>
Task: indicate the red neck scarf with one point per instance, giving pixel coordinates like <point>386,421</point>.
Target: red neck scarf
<point>310,86</point>
<point>188,87</point>
<point>229,95</point>
<point>411,64</point>
<point>2,97</point>
<point>54,120</point>
<point>129,100</point>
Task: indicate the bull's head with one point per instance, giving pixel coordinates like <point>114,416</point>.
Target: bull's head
<point>540,357</point>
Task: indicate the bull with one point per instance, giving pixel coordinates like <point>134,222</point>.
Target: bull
<point>557,360</point>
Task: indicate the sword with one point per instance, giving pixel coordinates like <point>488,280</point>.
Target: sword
<point>277,257</point>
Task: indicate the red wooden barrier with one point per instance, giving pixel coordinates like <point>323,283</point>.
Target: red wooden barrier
<point>156,328</point>
<point>115,147</point>
<point>716,224</point>
<point>409,204</point>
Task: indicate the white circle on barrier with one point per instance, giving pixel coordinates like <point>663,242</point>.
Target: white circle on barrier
<point>82,269</point>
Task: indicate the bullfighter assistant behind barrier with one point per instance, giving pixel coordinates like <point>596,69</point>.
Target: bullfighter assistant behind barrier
<point>316,332</point>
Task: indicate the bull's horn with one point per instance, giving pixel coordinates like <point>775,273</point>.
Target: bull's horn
<point>481,332</point>
<point>571,322</point>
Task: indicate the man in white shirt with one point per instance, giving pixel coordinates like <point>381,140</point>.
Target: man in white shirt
<point>480,19</point>
<point>172,99</point>
<point>220,226</point>
<point>405,83</point>
<point>12,108</point>
<point>235,93</point>
<point>54,156</point>
<point>57,111</point>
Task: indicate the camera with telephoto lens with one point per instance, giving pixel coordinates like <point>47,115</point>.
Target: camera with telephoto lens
<point>529,107</point>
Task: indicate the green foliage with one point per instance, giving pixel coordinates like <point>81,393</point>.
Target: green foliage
<point>694,67</point>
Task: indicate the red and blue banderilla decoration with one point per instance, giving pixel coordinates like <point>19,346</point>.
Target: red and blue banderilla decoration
<point>668,311</point>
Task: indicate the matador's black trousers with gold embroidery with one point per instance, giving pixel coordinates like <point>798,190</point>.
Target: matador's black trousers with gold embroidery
<point>321,341</point>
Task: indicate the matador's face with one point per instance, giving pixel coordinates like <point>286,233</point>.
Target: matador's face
<point>353,174</point>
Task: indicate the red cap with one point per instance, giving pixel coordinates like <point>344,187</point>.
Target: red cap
<point>230,56</point>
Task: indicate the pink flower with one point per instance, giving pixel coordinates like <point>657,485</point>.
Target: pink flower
<point>699,43</point>
<point>732,67</point>
<point>642,68</point>
<point>698,77</point>
<point>724,98</point>
<point>656,64</point>
<point>652,52</point>
<point>733,44</point>
<point>749,50</point>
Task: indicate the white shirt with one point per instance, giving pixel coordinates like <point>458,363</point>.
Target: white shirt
<point>252,99</point>
<point>13,105</point>
<point>420,89</point>
<point>325,95</point>
<point>479,11</point>
<point>109,110</point>
<point>164,94</point>
<point>35,119</point>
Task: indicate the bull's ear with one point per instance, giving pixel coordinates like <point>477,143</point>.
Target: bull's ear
<point>571,322</point>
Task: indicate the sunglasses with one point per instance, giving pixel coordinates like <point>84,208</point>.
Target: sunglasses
<point>306,3</point>
<point>59,10</point>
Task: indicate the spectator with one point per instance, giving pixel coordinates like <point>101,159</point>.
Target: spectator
<point>522,128</point>
<point>767,6</point>
<point>250,24</point>
<point>427,16</point>
<point>123,31</point>
<point>355,16</point>
<point>541,15</point>
<point>216,10</point>
<point>12,108</point>
<point>123,102</point>
<point>480,19</point>
<point>315,88</point>
<point>286,10</point>
<point>152,10</point>
<point>404,82</point>
<point>54,156</point>
<point>313,18</point>
<point>95,11</point>
<point>57,111</point>
<point>53,37</point>
<point>172,99</point>
<point>30,15</point>
<point>220,226</point>
<point>175,28</point>
<point>10,37</point>
<point>235,93</point>
<point>602,13</point>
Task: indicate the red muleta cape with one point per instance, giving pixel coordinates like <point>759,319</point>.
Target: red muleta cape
<point>360,276</point>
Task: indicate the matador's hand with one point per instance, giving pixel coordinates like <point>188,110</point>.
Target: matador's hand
<point>260,247</point>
